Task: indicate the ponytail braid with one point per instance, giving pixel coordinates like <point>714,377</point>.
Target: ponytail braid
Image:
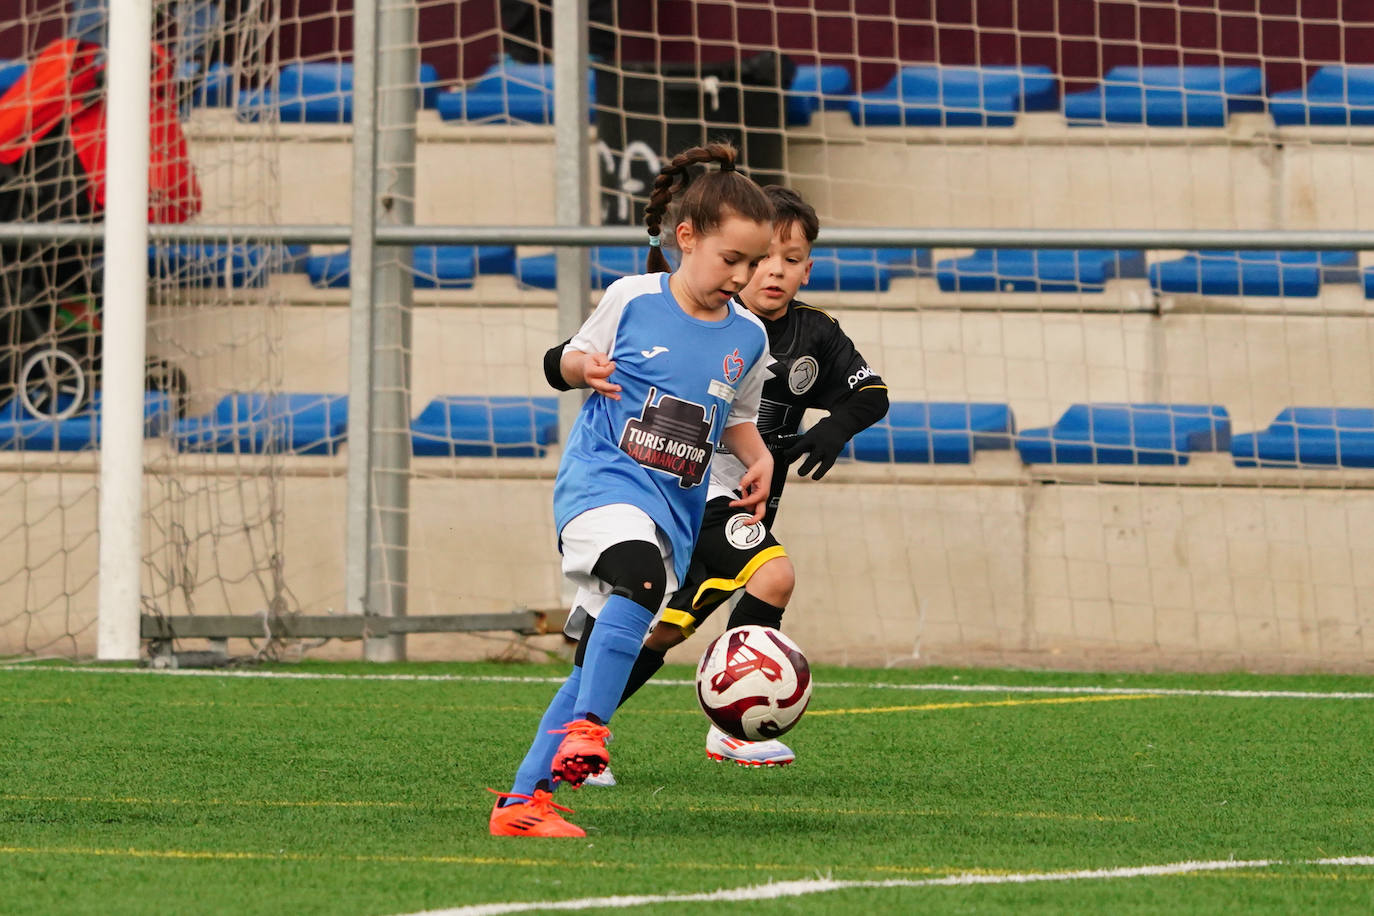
<point>705,197</point>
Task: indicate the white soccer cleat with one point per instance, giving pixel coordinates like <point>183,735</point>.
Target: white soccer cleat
<point>770,753</point>
<point>603,780</point>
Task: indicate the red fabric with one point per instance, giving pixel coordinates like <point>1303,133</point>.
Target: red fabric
<point>61,81</point>
<point>41,98</point>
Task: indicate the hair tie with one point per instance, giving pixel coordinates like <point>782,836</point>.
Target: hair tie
<point>727,165</point>
<point>655,241</point>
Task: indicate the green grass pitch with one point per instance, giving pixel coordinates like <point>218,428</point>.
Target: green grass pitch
<point>133,792</point>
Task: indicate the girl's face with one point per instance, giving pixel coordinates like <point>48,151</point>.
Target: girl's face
<point>717,266</point>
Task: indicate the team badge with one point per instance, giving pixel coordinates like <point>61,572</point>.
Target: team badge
<point>734,367</point>
<point>803,375</point>
<point>742,535</point>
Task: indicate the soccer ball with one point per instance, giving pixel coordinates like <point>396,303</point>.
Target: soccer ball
<point>753,683</point>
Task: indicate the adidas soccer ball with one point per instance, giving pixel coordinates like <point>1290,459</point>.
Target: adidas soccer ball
<point>753,683</point>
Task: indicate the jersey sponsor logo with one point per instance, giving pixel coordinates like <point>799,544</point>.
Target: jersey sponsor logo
<point>650,354</point>
<point>734,367</point>
<point>673,437</point>
<point>803,375</point>
<point>718,389</point>
<point>859,376</point>
<point>741,534</point>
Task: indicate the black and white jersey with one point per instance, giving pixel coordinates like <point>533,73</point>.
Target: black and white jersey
<point>815,365</point>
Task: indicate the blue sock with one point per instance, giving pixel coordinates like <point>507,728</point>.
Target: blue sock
<point>538,761</point>
<point>612,648</point>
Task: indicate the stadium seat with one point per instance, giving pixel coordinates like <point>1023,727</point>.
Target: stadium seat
<point>10,71</point>
<point>435,266</point>
<point>508,92</point>
<point>212,264</point>
<point>19,431</point>
<point>215,90</point>
<point>608,265</point>
<point>506,427</point>
<point>1254,273</point>
<point>1168,96</point>
<point>320,93</point>
<point>254,423</point>
<point>939,432</point>
<point>817,88</point>
<point>1338,437</point>
<point>1128,434</point>
<point>1334,95</point>
<point>1050,270</point>
<point>934,96</point>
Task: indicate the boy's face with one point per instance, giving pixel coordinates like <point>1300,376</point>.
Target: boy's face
<point>784,270</point>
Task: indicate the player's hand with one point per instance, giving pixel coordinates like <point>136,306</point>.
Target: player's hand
<point>596,370</point>
<point>753,488</point>
<point>821,444</point>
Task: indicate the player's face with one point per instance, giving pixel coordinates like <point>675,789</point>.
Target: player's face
<point>718,265</point>
<point>785,270</point>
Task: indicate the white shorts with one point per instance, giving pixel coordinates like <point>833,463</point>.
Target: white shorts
<point>587,536</point>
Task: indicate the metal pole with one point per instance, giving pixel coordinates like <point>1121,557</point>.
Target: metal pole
<point>856,237</point>
<point>125,328</point>
<point>360,264</point>
<point>571,192</point>
<point>398,66</point>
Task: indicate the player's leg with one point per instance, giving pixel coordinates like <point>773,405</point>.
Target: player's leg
<point>633,564</point>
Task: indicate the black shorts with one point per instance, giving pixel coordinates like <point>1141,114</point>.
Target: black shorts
<point>728,552</point>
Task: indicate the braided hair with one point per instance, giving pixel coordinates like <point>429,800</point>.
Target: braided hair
<point>705,198</point>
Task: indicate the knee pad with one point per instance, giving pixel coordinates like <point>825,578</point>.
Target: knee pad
<point>634,570</point>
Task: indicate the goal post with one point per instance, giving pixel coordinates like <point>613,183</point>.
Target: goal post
<point>125,330</point>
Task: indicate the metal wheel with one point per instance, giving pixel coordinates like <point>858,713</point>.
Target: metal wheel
<point>52,383</point>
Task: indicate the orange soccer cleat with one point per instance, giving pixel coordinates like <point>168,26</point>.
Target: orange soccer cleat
<point>583,751</point>
<point>532,817</point>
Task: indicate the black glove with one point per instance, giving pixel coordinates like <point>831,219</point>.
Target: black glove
<point>824,442</point>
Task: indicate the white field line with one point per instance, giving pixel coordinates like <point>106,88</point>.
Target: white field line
<point>780,889</point>
<point>670,682</point>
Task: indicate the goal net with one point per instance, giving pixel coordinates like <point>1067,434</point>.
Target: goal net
<point>1095,457</point>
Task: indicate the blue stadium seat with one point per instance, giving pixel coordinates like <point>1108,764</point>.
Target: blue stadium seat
<point>20,432</point>
<point>814,88</point>
<point>10,71</point>
<point>212,264</point>
<point>254,423</point>
<point>863,269</point>
<point>1168,96</point>
<point>1050,270</point>
<point>215,90</point>
<point>435,266</point>
<point>1334,95</point>
<point>939,432</point>
<point>507,427</point>
<point>320,93</point>
<point>934,96</point>
<point>609,264</point>
<point>1128,434</point>
<point>1254,273</point>
<point>1310,437</point>
<point>508,92</point>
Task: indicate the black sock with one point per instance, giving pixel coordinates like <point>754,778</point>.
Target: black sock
<point>645,667</point>
<point>750,610</point>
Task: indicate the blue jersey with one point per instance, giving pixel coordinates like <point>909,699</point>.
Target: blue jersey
<point>683,381</point>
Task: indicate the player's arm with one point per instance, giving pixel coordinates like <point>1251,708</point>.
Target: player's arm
<point>566,369</point>
<point>582,360</point>
<point>745,443</point>
<point>856,397</point>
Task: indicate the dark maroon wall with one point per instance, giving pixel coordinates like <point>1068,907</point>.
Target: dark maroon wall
<point>1079,39</point>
